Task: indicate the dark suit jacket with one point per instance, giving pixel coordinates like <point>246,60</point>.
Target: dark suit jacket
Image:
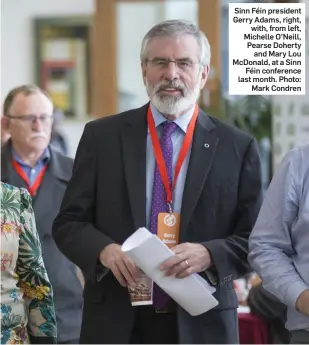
<point>62,273</point>
<point>105,202</point>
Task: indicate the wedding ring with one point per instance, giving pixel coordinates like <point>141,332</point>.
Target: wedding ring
<point>186,261</point>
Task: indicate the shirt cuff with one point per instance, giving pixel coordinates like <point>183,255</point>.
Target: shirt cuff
<point>293,292</point>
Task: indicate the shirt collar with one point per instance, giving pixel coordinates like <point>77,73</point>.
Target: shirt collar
<point>45,158</point>
<point>182,121</point>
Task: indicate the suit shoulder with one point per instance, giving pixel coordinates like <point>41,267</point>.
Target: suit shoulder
<point>66,163</point>
<point>230,132</point>
<point>116,119</point>
<point>65,159</point>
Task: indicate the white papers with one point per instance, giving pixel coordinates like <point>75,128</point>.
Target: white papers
<point>192,293</point>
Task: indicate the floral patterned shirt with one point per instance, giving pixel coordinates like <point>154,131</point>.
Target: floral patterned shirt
<point>27,308</point>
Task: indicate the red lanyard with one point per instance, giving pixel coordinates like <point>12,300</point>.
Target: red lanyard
<point>159,155</point>
<point>31,189</point>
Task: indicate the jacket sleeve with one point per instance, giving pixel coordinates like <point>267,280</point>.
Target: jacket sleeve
<point>33,279</point>
<point>229,255</point>
<point>73,229</point>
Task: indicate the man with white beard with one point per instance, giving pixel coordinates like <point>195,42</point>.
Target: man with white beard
<point>166,159</point>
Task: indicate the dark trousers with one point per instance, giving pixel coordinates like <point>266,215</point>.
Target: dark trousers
<point>299,337</point>
<point>151,327</point>
<point>73,341</point>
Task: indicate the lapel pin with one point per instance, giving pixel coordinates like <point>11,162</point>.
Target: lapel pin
<point>206,145</point>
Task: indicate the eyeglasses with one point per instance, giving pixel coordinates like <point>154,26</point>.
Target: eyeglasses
<point>183,64</point>
<point>30,119</point>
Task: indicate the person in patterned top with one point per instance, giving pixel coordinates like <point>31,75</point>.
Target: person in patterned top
<point>27,306</point>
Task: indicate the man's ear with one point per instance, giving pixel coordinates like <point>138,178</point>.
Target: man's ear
<point>204,76</point>
<point>143,66</point>
<point>4,122</point>
<point>144,73</point>
<point>5,133</point>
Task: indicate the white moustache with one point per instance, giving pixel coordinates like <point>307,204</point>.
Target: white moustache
<point>177,87</point>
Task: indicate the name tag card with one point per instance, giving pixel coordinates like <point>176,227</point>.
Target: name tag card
<point>168,228</point>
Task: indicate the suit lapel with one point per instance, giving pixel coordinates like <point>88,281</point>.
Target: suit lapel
<point>44,201</point>
<point>134,140</point>
<point>203,150</point>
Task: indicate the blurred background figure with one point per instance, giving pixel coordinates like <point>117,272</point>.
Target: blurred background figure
<point>27,307</point>
<point>27,160</point>
<point>58,140</point>
<point>261,315</point>
<point>267,306</point>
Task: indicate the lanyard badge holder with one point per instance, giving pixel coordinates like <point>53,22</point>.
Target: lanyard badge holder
<point>169,222</point>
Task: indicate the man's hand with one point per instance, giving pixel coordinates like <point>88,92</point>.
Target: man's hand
<point>190,258</point>
<point>302,303</point>
<point>123,268</point>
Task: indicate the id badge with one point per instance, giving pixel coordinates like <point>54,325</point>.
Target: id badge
<point>168,228</point>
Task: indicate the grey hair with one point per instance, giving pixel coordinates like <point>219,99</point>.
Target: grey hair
<point>178,28</point>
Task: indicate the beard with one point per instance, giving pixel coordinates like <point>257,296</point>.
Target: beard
<point>172,104</point>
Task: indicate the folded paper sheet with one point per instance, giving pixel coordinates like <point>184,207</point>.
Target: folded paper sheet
<point>192,293</point>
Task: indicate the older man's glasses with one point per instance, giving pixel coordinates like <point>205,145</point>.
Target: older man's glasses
<point>31,119</point>
<point>182,64</point>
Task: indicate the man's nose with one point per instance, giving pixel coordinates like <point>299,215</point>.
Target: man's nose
<point>37,124</point>
<point>171,71</point>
